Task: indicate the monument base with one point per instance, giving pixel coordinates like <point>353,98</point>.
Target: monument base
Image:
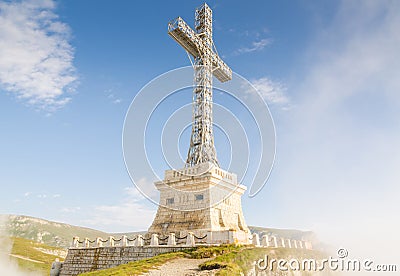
<point>205,200</point>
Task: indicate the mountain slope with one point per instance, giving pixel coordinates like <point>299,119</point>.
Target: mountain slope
<point>47,232</point>
<point>61,234</point>
<point>34,256</point>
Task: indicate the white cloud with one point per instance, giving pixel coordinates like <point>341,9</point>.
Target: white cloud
<point>133,213</point>
<point>257,45</point>
<point>133,193</point>
<point>147,187</point>
<point>70,209</point>
<point>113,98</point>
<point>271,91</point>
<point>35,54</point>
<point>41,195</point>
<point>340,154</point>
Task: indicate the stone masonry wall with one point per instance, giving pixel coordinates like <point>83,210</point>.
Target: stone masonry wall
<point>200,199</point>
<point>80,260</point>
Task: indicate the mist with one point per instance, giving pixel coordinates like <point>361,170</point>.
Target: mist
<point>8,265</point>
<point>340,142</point>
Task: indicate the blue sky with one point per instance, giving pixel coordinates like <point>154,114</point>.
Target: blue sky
<point>329,71</point>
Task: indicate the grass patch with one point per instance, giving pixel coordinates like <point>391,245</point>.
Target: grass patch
<point>29,258</point>
<point>225,263</point>
<point>228,260</point>
<point>138,267</point>
<point>241,260</point>
<point>212,251</point>
<point>143,266</point>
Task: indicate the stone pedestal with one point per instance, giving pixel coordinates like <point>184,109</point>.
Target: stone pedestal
<point>203,199</point>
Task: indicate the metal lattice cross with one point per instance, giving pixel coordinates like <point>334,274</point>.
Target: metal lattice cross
<point>207,63</point>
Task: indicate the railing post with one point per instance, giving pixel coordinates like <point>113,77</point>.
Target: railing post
<point>99,242</point>
<point>209,237</point>
<point>256,240</point>
<point>139,240</point>
<point>154,240</point>
<point>190,239</point>
<point>171,239</point>
<point>275,241</point>
<point>289,243</point>
<point>283,242</point>
<point>86,243</point>
<point>75,242</point>
<point>124,241</point>
<point>265,240</point>
<point>111,241</point>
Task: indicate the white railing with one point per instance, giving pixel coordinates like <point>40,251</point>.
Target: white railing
<point>274,241</point>
<point>189,240</point>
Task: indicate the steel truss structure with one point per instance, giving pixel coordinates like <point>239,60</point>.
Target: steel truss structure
<point>199,44</point>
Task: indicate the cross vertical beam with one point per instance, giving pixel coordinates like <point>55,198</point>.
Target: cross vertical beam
<point>202,147</point>
<point>207,63</point>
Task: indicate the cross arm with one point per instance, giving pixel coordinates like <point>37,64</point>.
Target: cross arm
<point>185,36</point>
<point>220,69</point>
<point>180,31</point>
